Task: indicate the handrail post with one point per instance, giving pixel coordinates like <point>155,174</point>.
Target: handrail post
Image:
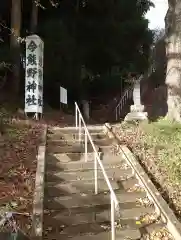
<point>79,128</point>
<point>112,218</point>
<point>76,117</point>
<point>85,146</point>
<point>95,173</point>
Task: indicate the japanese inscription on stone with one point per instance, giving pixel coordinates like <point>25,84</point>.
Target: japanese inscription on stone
<point>34,74</point>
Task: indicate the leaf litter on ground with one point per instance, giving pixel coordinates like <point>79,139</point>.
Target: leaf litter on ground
<point>157,146</point>
<point>18,150</point>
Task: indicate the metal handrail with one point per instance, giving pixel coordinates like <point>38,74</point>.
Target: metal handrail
<point>126,95</point>
<point>114,201</point>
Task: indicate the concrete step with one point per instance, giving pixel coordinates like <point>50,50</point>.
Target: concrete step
<point>71,209</point>
<point>71,218</point>
<point>74,136</point>
<point>79,158</point>
<point>104,235</point>
<point>103,142</point>
<point>107,150</point>
<point>53,225</point>
<point>68,188</point>
<point>78,187</point>
<point>89,126</point>
<point>72,130</point>
<point>85,166</point>
<point>64,142</point>
<point>76,148</point>
<point>113,173</point>
<point>82,208</point>
<point>77,200</point>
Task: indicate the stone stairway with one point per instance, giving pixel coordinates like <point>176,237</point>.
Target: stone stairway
<point>71,209</point>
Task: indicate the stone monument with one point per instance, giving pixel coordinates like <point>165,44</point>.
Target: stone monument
<point>137,110</point>
<point>34,75</point>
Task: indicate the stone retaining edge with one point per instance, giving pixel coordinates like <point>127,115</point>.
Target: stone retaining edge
<point>37,219</point>
<point>172,223</point>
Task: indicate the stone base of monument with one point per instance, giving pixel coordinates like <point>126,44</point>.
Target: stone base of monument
<point>137,108</point>
<point>136,114</point>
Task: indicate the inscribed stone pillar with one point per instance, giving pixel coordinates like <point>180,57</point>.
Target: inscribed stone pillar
<point>34,75</point>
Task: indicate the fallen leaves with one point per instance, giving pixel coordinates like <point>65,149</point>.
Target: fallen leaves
<point>141,145</point>
<point>17,170</point>
<point>145,202</point>
<point>161,234</point>
<point>148,218</point>
<point>136,188</point>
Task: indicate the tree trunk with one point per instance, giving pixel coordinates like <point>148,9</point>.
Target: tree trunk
<point>15,44</point>
<point>34,17</point>
<point>173,50</point>
<point>85,108</point>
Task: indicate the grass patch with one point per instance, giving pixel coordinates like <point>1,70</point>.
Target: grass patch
<point>157,146</point>
<point>164,138</point>
<point>159,142</point>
